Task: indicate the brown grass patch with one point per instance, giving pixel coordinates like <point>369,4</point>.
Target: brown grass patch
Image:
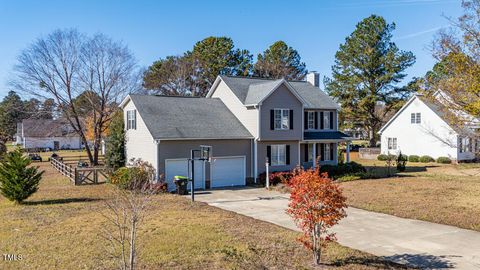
<point>58,228</point>
<point>447,194</point>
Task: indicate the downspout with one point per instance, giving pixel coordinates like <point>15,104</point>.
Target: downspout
<point>157,161</point>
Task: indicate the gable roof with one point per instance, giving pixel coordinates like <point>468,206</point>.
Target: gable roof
<point>45,128</point>
<point>432,106</point>
<point>168,117</point>
<point>251,91</point>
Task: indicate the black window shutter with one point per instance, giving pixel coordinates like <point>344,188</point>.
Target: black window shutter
<point>331,120</point>
<point>306,152</point>
<point>291,119</point>
<point>135,119</point>
<point>269,154</point>
<point>316,120</point>
<point>305,120</point>
<point>287,150</point>
<point>332,145</point>
<point>272,119</point>
<point>321,120</point>
<point>322,150</point>
<point>317,152</point>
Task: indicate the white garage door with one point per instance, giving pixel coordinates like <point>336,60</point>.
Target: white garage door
<point>180,167</point>
<point>228,171</point>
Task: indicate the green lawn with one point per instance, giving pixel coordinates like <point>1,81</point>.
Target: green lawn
<point>60,228</point>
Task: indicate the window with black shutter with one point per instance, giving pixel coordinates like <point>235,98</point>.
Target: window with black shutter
<point>306,152</point>
<point>332,147</point>
<point>272,119</point>
<point>316,120</point>
<point>305,120</point>
<point>287,154</point>
<point>321,121</point>
<point>291,119</point>
<point>322,151</point>
<point>331,120</point>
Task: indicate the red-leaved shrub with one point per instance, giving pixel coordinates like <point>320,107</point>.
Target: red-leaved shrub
<point>316,204</point>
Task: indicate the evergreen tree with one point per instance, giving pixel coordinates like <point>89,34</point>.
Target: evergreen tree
<point>17,179</point>
<point>11,111</point>
<point>280,61</point>
<point>115,143</point>
<point>368,67</point>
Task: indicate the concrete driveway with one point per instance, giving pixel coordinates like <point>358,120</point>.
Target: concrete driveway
<point>417,243</point>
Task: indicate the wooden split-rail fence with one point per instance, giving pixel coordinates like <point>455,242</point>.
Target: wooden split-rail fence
<point>80,175</point>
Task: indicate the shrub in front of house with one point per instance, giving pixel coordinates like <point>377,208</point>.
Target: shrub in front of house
<point>350,177</point>
<point>426,159</point>
<point>444,160</point>
<point>276,178</point>
<point>382,157</point>
<point>280,177</point>
<point>138,177</point>
<point>336,171</point>
<point>121,177</point>
<point>401,162</point>
<point>413,158</point>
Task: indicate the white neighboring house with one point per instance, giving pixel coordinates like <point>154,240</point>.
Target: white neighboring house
<point>54,134</point>
<point>419,128</point>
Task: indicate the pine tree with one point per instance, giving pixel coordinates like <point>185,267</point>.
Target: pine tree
<point>280,61</point>
<point>115,143</point>
<point>366,73</point>
<point>17,180</point>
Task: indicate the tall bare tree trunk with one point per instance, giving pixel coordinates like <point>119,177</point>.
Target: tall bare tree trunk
<point>371,137</point>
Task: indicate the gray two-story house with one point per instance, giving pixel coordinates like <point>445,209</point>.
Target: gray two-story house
<point>247,121</point>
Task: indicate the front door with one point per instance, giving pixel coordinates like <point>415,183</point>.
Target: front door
<point>56,145</point>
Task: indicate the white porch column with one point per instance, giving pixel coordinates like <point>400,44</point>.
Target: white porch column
<point>314,155</point>
<point>348,151</point>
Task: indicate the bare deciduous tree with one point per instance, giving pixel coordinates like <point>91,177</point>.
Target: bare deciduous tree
<point>65,64</point>
<point>125,213</point>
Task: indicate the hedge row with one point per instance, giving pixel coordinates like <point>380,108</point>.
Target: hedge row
<point>415,158</point>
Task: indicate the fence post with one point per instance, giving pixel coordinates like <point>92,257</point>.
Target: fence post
<point>95,176</point>
<point>75,179</point>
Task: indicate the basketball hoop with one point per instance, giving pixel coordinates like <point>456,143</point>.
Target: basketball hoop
<point>206,152</point>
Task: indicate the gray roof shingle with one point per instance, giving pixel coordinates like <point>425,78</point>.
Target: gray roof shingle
<point>46,128</point>
<point>252,90</point>
<point>188,118</point>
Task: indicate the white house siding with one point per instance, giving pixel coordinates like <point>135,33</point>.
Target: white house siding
<point>139,142</point>
<point>248,117</point>
<point>48,142</point>
<point>420,139</point>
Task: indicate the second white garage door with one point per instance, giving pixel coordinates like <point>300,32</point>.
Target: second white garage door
<point>228,171</point>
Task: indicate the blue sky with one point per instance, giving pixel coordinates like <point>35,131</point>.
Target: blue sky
<point>155,29</point>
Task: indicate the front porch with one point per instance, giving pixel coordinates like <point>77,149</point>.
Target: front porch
<point>323,146</point>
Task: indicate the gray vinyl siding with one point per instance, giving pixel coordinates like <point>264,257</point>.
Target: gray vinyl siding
<point>262,155</point>
<point>281,98</point>
<point>335,115</point>
<point>220,148</point>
